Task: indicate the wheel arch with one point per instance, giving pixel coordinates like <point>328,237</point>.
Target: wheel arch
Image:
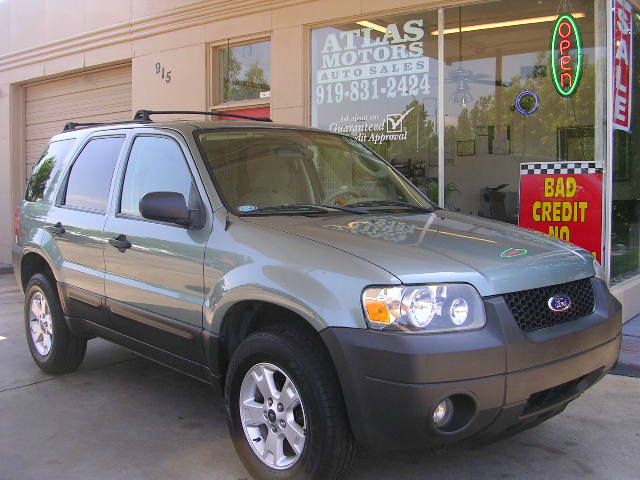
<point>247,316</point>
<point>33,262</point>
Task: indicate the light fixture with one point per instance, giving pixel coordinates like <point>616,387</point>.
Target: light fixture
<point>372,26</point>
<point>510,23</point>
<point>443,413</point>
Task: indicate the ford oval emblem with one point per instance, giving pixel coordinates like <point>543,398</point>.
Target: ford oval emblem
<point>559,303</point>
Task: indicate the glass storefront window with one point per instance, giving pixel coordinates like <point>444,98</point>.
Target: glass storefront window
<point>625,224</point>
<point>518,84</point>
<point>376,79</point>
<point>245,72</point>
<point>501,105</point>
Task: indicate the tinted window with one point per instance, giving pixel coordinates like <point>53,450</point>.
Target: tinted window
<point>91,174</point>
<point>156,164</point>
<point>47,169</point>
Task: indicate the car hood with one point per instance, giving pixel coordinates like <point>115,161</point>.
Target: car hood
<point>445,247</point>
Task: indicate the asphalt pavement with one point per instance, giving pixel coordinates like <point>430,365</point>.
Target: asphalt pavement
<point>123,417</point>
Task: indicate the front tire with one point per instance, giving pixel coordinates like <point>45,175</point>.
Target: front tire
<point>53,347</point>
<point>285,410</point>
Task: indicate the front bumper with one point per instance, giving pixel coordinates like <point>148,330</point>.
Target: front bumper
<point>392,382</point>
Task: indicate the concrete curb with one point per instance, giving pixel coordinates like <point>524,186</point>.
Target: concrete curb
<point>629,360</point>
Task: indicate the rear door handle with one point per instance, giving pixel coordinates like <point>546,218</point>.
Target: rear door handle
<point>56,229</point>
<point>120,242</point>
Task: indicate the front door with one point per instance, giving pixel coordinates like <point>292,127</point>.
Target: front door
<point>154,270</point>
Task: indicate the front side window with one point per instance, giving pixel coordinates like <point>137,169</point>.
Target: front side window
<point>156,164</point>
<point>47,169</point>
<point>245,72</point>
<point>90,178</point>
<point>261,168</point>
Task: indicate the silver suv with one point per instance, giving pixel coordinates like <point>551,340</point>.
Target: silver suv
<point>334,302</point>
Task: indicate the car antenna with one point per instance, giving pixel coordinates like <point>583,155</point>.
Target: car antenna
<point>145,115</point>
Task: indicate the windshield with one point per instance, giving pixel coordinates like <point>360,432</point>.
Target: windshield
<point>270,170</point>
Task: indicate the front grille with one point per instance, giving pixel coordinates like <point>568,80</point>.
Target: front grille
<point>531,311</point>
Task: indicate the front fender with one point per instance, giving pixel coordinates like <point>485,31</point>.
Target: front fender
<point>321,284</point>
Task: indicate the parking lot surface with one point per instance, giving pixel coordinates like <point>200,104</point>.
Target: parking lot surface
<point>124,417</point>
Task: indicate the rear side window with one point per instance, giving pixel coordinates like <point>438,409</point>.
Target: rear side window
<point>47,170</point>
<point>156,164</point>
<point>91,174</point>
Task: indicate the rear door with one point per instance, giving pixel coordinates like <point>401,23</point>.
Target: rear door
<point>75,225</point>
<point>155,286</point>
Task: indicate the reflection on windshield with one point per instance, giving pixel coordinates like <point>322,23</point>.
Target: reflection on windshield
<point>259,168</point>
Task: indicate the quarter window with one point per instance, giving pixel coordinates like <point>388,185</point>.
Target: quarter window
<point>47,168</point>
<point>90,178</point>
<point>156,164</point>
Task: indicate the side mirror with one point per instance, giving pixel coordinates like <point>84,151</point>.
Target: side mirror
<point>168,207</point>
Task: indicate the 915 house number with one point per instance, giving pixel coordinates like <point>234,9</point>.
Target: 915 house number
<point>164,73</point>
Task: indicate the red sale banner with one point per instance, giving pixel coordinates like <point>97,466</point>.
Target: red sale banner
<point>623,46</point>
<point>564,200</point>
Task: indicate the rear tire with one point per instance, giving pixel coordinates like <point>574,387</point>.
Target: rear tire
<point>328,448</point>
<point>53,347</point>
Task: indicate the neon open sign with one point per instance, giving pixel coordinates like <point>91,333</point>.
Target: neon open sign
<point>566,55</point>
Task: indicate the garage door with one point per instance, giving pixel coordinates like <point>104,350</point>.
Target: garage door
<point>96,95</point>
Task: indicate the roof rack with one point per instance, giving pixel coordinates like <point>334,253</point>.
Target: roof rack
<point>145,115</point>
<point>71,126</point>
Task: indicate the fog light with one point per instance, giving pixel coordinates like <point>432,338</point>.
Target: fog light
<point>443,413</point>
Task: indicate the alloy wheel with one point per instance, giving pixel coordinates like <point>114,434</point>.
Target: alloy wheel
<point>41,324</point>
<point>272,416</point>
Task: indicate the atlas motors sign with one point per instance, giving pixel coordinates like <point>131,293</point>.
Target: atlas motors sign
<point>623,46</point>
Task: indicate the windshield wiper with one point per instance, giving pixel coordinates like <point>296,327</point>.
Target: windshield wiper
<point>389,203</point>
<point>303,208</point>
<point>293,208</point>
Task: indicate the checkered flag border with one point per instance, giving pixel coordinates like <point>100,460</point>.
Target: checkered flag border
<point>560,168</point>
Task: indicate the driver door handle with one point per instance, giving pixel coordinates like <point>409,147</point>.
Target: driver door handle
<point>120,242</point>
<point>56,229</point>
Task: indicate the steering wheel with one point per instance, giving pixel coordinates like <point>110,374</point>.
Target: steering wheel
<point>349,192</point>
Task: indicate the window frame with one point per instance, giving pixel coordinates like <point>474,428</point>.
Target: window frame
<point>61,196</point>
<point>117,201</point>
<point>215,101</point>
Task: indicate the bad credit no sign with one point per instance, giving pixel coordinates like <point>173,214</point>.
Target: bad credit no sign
<point>564,200</point>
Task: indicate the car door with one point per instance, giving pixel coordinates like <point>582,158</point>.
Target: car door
<point>75,225</point>
<point>154,280</point>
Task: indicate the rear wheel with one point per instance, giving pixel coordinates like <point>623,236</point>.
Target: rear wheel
<point>53,347</point>
<point>285,410</point>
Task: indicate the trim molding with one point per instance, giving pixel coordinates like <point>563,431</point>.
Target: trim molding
<point>200,13</point>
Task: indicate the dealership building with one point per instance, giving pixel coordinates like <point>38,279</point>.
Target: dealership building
<point>526,112</point>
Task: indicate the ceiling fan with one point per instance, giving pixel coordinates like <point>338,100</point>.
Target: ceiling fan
<point>462,77</point>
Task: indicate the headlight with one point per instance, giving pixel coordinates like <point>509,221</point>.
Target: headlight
<point>424,309</point>
<point>599,271</point>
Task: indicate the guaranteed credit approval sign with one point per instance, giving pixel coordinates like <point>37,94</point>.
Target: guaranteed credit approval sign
<point>564,200</point>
